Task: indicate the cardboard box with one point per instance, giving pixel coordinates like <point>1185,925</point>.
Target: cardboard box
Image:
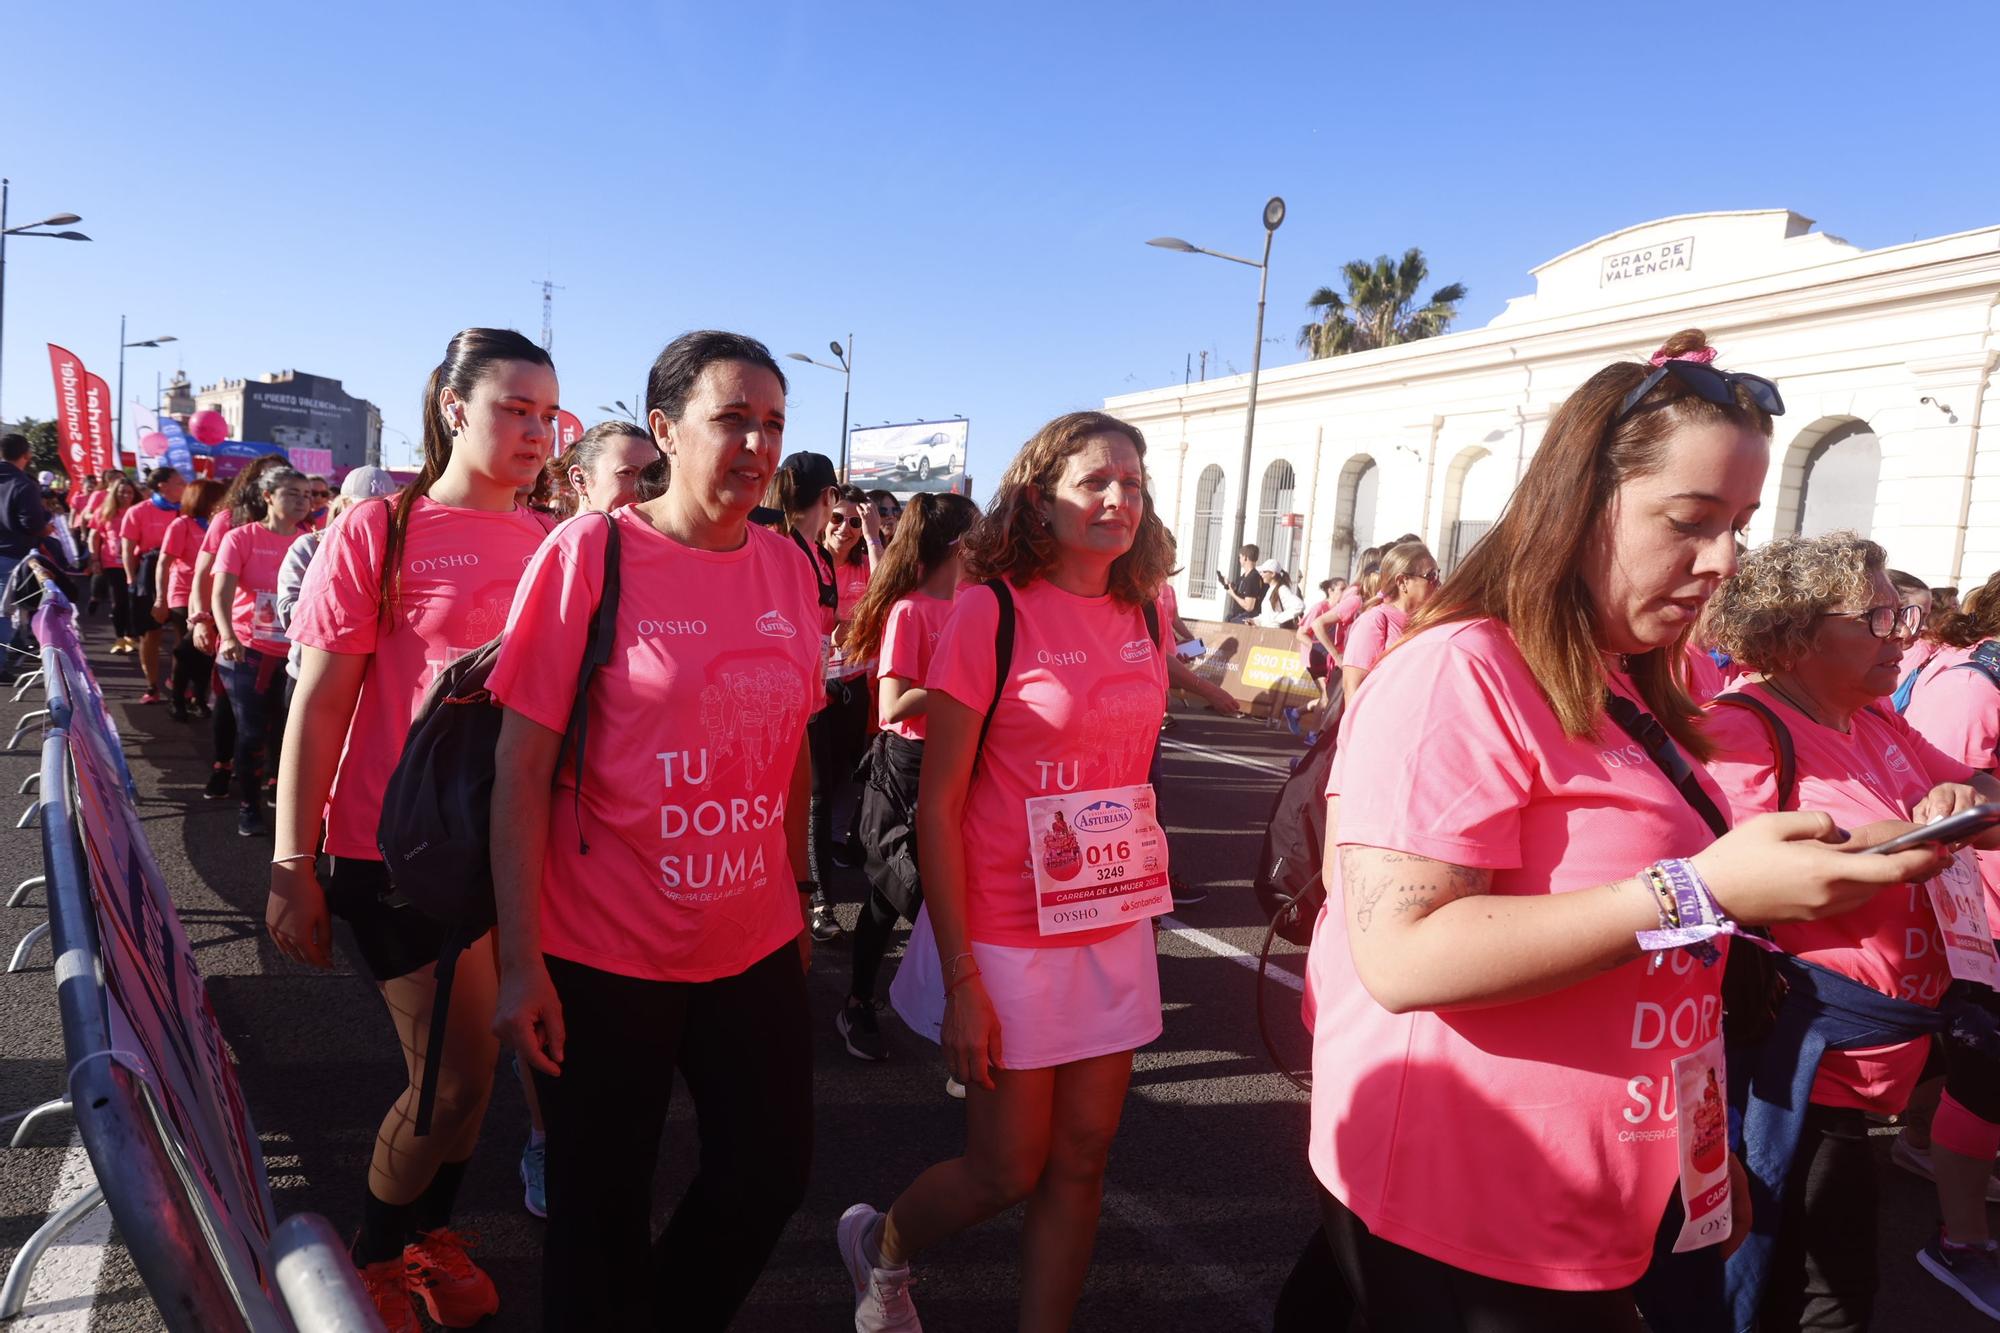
<point>1262,669</point>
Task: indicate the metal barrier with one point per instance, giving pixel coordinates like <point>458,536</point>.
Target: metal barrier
<point>150,1082</point>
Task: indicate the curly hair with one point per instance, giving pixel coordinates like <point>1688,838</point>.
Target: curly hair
<point>1013,540</point>
<point>1764,615</point>
<point>1976,620</point>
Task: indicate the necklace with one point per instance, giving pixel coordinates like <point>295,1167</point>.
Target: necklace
<point>1812,712</point>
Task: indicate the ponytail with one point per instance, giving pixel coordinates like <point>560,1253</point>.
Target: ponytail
<point>930,527</point>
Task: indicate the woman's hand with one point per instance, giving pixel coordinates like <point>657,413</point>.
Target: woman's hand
<point>229,649</point>
<point>1221,700</point>
<point>203,634</point>
<point>1798,867</point>
<point>971,1036</point>
<point>1949,798</point>
<point>296,915</point>
<point>871,528</point>
<point>528,1015</point>
<point>160,613</point>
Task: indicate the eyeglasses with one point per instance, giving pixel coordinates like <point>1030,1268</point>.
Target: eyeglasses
<point>1885,621</point>
<point>838,521</point>
<point>1707,383</point>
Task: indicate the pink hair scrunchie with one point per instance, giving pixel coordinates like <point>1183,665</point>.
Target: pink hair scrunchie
<point>1700,355</point>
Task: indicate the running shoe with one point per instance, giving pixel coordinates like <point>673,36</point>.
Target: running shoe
<point>881,1295</point>
<point>249,821</point>
<point>1292,721</point>
<point>1917,1161</point>
<point>1185,894</point>
<point>151,698</point>
<point>534,1177</point>
<point>388,1288</point>
<point>825,925</point>
<point>860,1031</point>
<point>455,1291</point>
<point>1973,1271</point>
<point>953,1088</point>
<point>219,779</point>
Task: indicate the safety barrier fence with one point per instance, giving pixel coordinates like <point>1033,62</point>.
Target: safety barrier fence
<point>150,1082</point>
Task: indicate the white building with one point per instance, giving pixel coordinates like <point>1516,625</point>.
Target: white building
<point>1886,360</point>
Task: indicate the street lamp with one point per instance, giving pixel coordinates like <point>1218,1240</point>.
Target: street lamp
<point>28,229</point>
<point>846,368</point>
<point>618,408</point>
<point>119,429</point>
<point>1274,215</point>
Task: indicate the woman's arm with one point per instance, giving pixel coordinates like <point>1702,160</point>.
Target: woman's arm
<point>1181,676</point>
<point>128,556</point>
<point>315,735</point>
<point>221,596</point>
<point>202,631</point>
<point>1350,681</point>
<point>1948,798</point>
<point>527,1015</point>
<point>1322,631</point>
<point>897,700</point>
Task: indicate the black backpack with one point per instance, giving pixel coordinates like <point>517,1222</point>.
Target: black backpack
<point>436,829</point>
<point>1290,888</point>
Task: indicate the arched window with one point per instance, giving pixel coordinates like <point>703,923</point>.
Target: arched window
<point>1842,472</point>
<point>1354,513</point>
<point>1274,542</point>
<point>1207,535</point>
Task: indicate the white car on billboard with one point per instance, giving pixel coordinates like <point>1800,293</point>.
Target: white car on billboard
<point>936,455</point>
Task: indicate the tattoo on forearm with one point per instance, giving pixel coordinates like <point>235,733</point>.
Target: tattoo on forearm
<point>1369,875</point>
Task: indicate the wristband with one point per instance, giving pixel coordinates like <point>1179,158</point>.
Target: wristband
<point>951,965</point>
<point>203,619</point>
<point>960,982</point>
<point>295,856</point>
<point>1697,918</point>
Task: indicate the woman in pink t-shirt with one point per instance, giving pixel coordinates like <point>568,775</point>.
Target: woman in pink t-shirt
<point>178,549</point>
<point>1408,577</point>
<point>602,470</point>
<point>650,905</point>
<point>896,625</point>
<point>1493,1048</point>
<point>140,532</point>
<point>400,588</point>
<point>241,503</point>
<point>1817,618</point>
<point>853,538</point>
<point>1050,975</point>
<point>250,654</point>
<point>109,581</point>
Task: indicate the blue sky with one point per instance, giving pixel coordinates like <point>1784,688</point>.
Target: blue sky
<point>966,189</point>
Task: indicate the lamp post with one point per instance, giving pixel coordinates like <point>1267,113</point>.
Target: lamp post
<point>119,429</point>
<point>28,229</point>
<point>1274,215</point>
<point>846,368</point>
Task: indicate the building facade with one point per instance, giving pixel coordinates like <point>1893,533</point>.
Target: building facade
<point>1886,359</point>
<point>320,424</point>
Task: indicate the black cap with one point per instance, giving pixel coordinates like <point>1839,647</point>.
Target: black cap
<point>814,472</point>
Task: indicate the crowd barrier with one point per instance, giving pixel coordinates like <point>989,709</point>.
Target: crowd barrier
<point>150,1082</point>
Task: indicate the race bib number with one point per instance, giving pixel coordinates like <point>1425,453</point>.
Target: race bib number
<point>264,620</point>
<point>1100,858</point>
<point>1959,903</point>
<point>1699,1086</point>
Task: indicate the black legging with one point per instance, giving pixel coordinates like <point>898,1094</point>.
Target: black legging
<point>898,763</point>
<point>744,1046</point>
<point>193,669</point>
<point>110,583</point>
<point>835,734</point>
<point>256,688</point>
<point>1823,1273</point>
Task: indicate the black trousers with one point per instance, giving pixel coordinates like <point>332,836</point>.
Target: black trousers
<point>1970,1075</point>
<point>836,735</point>
<point>744,1046</point>
<point>110,585</point>
<point>1823,1273</point>
<point>1397,1288</point>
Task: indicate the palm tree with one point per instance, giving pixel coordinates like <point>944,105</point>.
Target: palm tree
<point>1380,308</point>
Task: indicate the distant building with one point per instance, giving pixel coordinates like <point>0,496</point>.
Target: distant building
<point>1887,360</point>
<point>299,413</point>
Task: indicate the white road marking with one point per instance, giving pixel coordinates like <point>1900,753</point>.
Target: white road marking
<point>64,1288</point>
<point>1223,756</point>
<point>1222,948</point>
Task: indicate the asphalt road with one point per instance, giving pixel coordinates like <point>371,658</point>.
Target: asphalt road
<point>1207,1199</point>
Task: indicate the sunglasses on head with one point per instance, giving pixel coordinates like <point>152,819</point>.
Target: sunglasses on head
<point>1707,383</point>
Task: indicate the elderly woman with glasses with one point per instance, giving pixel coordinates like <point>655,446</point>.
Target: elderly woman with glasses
<point>1819,621</point>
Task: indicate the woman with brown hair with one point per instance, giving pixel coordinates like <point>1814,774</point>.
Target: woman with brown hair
<point>602,470</point>
<point>1050,983</point>
<point>1503,1010</point>
<point>1406,578</point>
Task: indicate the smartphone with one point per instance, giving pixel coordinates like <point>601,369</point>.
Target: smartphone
<point>1949,831</point>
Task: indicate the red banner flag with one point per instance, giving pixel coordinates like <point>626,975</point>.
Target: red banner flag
<point>97,419</point>
<point>569,429</point>
<point>71,388</point>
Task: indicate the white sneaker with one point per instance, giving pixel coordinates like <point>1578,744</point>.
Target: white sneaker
<point>1917,1161</point>
<point>881,1295</point>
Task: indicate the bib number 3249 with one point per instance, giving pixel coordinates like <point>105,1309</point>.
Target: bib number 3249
<point>1100,858</point>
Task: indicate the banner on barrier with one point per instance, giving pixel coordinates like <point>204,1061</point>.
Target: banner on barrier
<point>158,1008</point>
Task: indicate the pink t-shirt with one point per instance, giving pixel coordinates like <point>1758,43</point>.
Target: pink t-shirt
<point>1170,607</point>
<point>695,728</point>
<point>1080,711</point>
<point>1959,712</point>
<point>1534,1141</point>
<point>219,525</point>
<point>1344,613</point>
<point>1880,769</point>
<point>459,571</point>
<point>104,543</point>
<point>177,552</point>
<point>852,581</point>
<point>909,638</point>
<point>1375,632</point>
<point>1705,679</point>
<point>1313,613</point>
<point>254,554</point>
<point>144,525</point>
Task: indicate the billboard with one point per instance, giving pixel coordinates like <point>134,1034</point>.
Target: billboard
<point>307,411</point>
<point>914,456</point>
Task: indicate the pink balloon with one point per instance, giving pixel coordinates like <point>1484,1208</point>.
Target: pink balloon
<point>209,426</point>
<point>153,444</point>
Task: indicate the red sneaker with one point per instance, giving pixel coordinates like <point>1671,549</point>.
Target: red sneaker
<point>455,1291</point>
<point>389,1289</point>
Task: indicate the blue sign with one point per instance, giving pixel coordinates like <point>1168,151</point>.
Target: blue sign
<point>180,447</point>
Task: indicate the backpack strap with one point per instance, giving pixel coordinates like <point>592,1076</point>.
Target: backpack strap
<point>596,652</point>
<point>1781,743</point>
<point>1906,688</point>
<point>1003,654</point>
<point>1659,746</point>
<point>1985,660</point>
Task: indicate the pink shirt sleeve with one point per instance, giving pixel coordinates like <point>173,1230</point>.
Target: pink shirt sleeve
<point>962,663</point>
<point>218,528</point>
<point>1959,713</point>
<point>1428,764</point>
<point>340,600</point>
<point>128,527</point>
<point>1368,640</point>
<point>550,622</point>
<point>903,648</point>
<point>234,553</point>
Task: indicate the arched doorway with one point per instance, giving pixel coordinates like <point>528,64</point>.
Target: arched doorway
<point>1274,541</point>
<point>1475,491</point>
<point>1354,513</point>
<point>1207,534</point>
<point>1840,470</point>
